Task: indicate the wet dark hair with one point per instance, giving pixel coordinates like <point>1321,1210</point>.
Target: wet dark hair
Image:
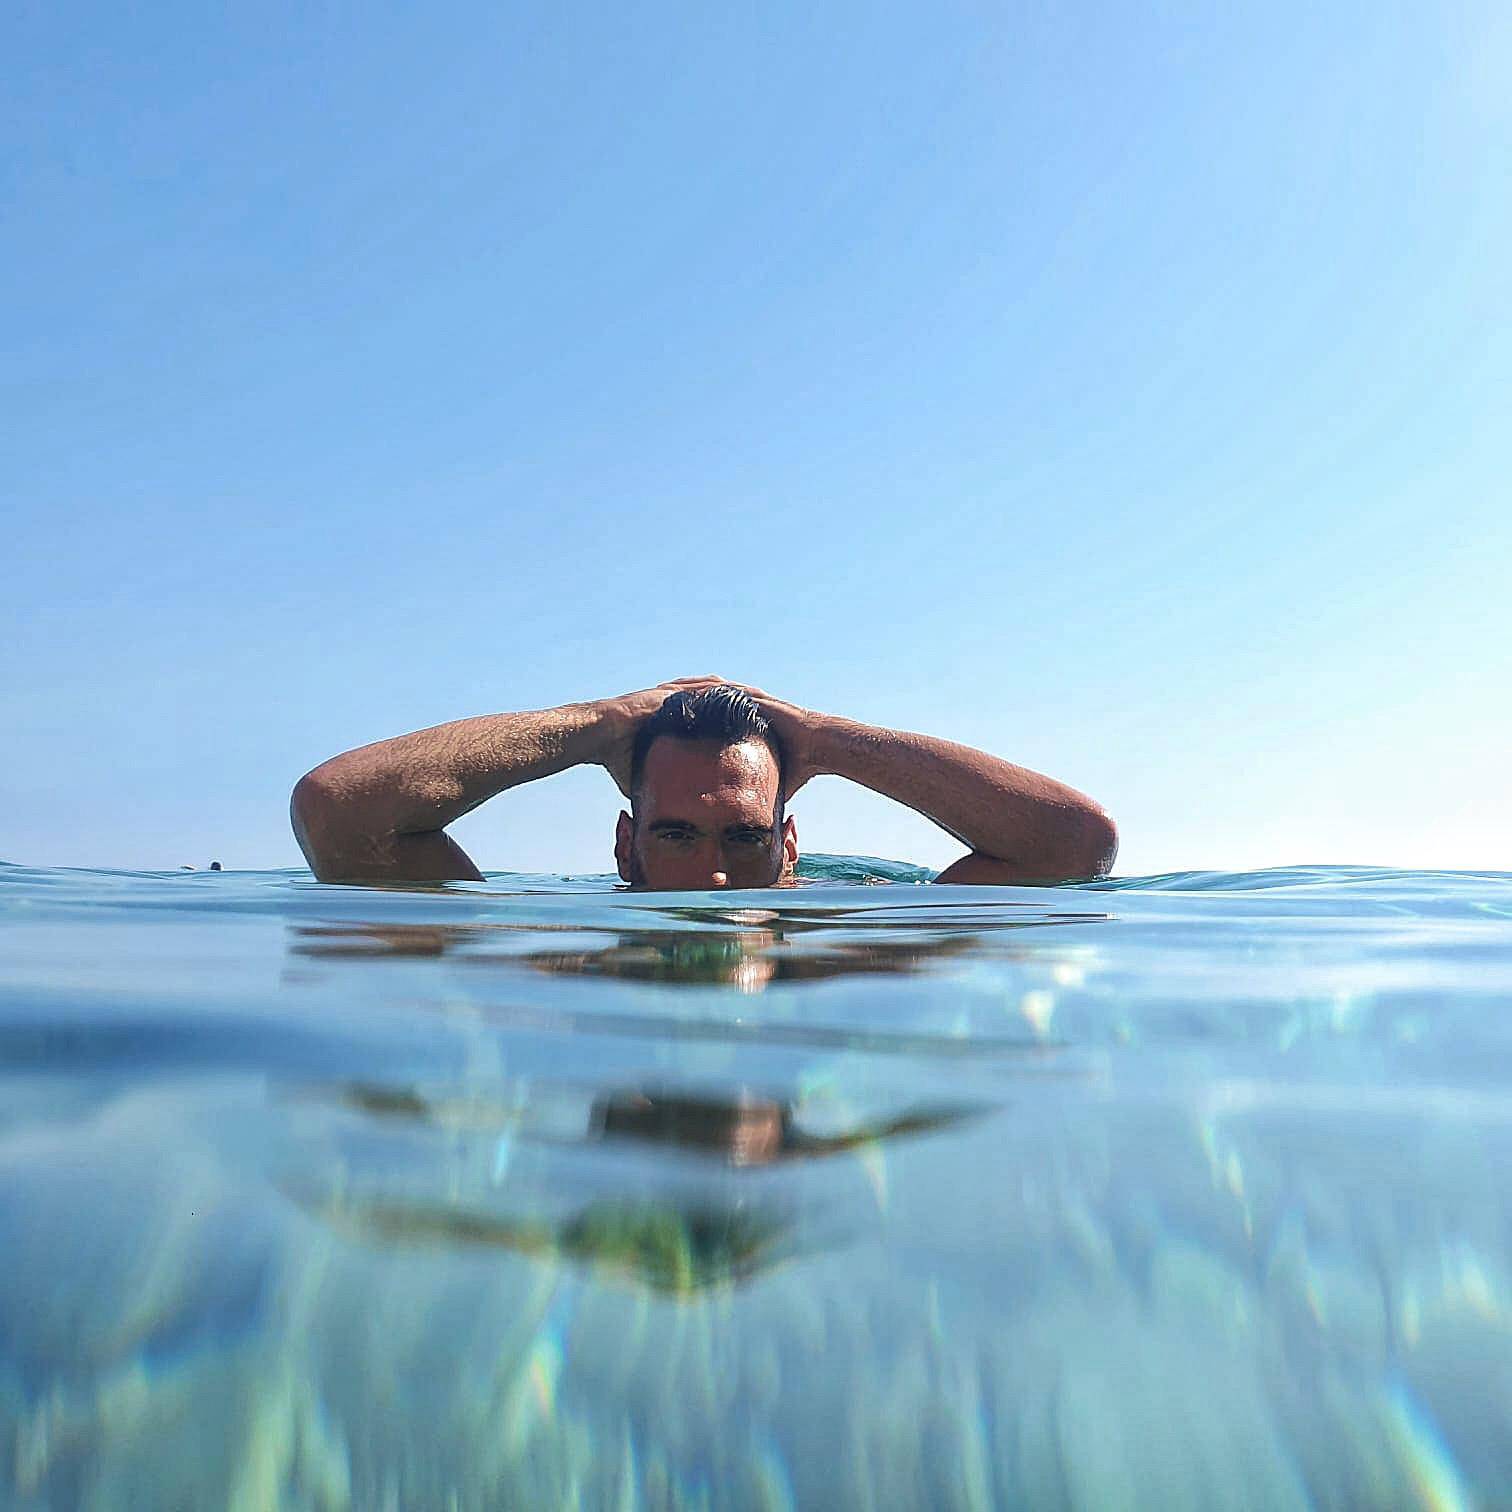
<point>724,714</point>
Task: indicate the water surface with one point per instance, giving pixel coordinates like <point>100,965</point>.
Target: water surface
<point>1172,1191</point>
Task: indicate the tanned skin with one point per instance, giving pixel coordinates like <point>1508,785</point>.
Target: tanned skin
<point>705,816</point>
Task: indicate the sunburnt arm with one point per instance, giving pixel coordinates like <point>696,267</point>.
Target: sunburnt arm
<point>380,812</point>
<point>1020,826</point>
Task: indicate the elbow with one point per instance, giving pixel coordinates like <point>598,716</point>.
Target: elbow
<point>1098,844</point>
<point>310,801</point>
<point>313,806</point>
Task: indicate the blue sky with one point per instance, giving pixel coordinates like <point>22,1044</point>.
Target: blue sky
<point>1122,389</point>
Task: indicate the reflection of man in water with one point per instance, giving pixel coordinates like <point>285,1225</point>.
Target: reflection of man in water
<point>674,1239</point>
<point>746,1129</point>
<point>708,768</point>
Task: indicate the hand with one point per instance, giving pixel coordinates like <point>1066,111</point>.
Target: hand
<point>795,728</point>
<point>623,716</point>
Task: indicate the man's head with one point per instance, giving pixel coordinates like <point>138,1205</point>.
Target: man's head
<point>706,797</point>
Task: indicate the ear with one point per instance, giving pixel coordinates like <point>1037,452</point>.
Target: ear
<point>624,840</point>
<point>789,846</point>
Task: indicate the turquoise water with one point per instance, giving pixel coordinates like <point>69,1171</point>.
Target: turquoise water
<point>1183,1191</point>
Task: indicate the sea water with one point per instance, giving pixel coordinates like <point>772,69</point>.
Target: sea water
<point>1186,1191</point>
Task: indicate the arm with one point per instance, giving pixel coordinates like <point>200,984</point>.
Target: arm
<point>1020,826</point>
<point>380,812</point>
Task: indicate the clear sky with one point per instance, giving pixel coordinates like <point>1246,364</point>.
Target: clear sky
<point>1124,389</point>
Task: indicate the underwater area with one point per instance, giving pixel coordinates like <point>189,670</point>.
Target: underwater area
<point>1174,1192</point>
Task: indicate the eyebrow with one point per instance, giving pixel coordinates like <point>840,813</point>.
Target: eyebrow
<point>658,825</point>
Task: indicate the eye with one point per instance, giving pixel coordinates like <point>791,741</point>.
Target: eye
<point>748,837</point>
<point>674,836</point>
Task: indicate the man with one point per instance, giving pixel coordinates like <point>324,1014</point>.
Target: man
<point>708,768</point>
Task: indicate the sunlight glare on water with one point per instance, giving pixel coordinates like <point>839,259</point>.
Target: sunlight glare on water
<point>1182,1191</point>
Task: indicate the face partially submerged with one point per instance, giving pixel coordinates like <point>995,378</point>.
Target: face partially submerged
<point>704,818</point>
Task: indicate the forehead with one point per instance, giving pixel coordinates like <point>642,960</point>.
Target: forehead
<point>682,778</point>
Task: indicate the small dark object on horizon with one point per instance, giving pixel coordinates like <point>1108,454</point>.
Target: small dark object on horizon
<point>215,866</point>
